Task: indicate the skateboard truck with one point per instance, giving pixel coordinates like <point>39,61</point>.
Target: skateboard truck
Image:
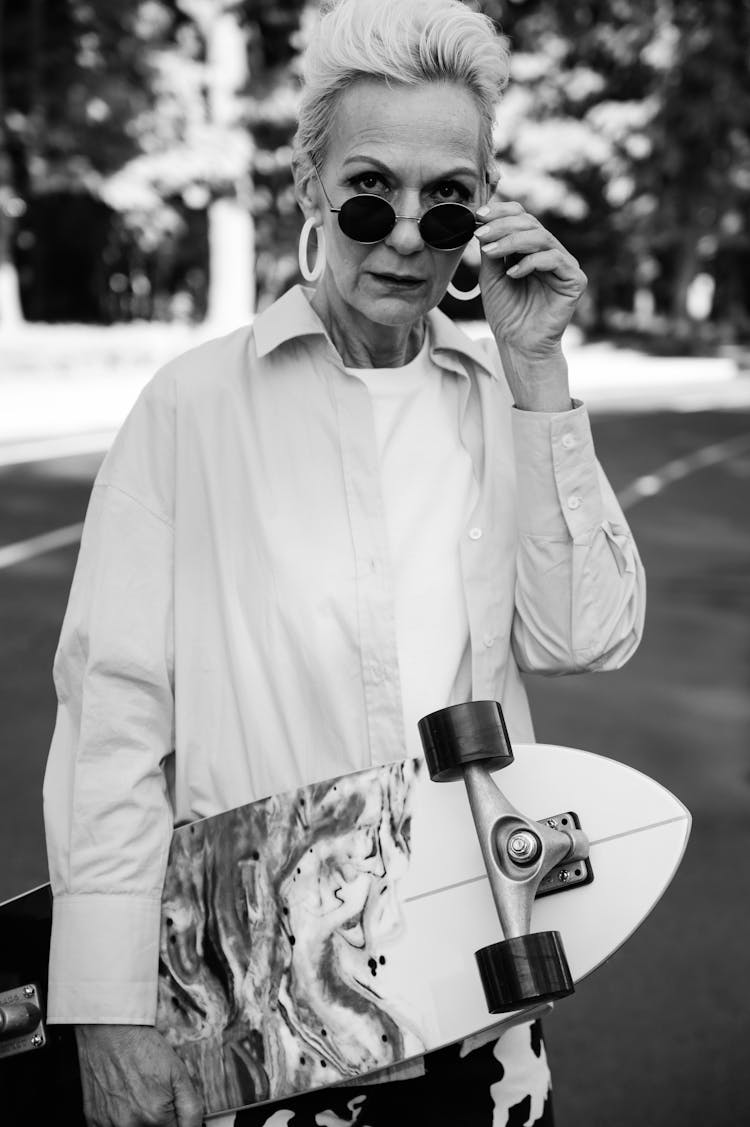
<point>523,858</point>
<point>21,1026</point>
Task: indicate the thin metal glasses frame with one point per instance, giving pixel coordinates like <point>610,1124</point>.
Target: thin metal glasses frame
<point>412,218</point>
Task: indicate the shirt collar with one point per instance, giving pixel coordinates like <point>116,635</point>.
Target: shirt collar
<point>292,316</point>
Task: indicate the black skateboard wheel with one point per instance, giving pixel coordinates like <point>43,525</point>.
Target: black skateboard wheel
<point>527,968</point>
<point>464,733</point>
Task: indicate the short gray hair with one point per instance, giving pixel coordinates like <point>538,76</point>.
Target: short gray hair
<point>397,41</point>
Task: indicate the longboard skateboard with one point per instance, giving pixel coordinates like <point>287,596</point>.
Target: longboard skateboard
<point>328,933</point>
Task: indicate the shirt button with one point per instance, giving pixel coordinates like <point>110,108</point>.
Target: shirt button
<point>574,502</point>
<point>475,534</point>
<point>489,641</point>
<point>568,441</point>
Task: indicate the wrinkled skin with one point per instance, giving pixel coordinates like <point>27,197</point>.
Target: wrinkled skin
<point>132,1078</point>
<point>416,146</point>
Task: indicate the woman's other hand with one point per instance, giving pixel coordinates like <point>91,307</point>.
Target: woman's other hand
<point>528,305</point>
<point>131,1076</point>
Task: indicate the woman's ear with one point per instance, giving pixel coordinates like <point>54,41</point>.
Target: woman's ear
<point>492,182</point>
<point>306,188</point>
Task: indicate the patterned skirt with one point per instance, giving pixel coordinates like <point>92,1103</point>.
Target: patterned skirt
<point>503,1083</point>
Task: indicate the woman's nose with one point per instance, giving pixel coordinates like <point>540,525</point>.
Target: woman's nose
<point>406,237</point>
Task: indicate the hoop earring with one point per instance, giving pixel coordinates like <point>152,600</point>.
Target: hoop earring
<point>312,275</point>
<point>464,295</point>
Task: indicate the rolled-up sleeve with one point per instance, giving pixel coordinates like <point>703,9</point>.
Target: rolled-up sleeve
<point>580,589</point>
<point>107,809</point>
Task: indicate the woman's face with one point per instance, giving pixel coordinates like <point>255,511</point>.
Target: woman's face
<point>415,147</point>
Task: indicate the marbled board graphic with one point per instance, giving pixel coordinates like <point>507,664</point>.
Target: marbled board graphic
<point>277,920</point>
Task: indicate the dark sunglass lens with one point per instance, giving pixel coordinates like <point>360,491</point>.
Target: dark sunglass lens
<point>447,226</point>
<point>366,219</point>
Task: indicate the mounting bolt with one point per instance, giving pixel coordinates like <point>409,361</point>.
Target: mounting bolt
<point>37,1041</point>
<point>524,847</point>
<point>552,823</point>
<point>563,876</point>
<point>28,991</point>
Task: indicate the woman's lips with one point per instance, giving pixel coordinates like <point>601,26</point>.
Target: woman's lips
<point>403,281</point>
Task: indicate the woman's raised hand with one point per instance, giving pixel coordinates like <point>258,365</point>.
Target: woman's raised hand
<point>528,305</point>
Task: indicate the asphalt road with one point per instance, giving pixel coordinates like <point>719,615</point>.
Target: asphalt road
<point>659,1037</point>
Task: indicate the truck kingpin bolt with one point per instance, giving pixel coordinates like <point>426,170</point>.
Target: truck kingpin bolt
<point>523,847</point>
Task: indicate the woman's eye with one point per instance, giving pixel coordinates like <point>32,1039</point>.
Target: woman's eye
<point>450,191</point>
<point>369,182</point>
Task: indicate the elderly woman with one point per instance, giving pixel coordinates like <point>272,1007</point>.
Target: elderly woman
<point>321,527</point>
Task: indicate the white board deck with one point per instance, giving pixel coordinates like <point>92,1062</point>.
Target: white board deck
<point>344,917</point>
<point>638,832</point>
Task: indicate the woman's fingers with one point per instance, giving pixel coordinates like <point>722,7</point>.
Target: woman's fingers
<point>499,208</point>
<point>519,242</point>
<point>534,248</point>
<point>514,224</point>
<point>563,265</point>
<point>516,233</point>
<point>188,1108</point>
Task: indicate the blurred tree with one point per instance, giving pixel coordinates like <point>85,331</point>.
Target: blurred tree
<point>700,177</point>
<point>11,207</point>
<point>195,152</point>
<point>72,75</point>
<point>151,108</point>
<point>572,126</point>
<point>627,125</point>
<point>222,96</point>
<point>626,128</point>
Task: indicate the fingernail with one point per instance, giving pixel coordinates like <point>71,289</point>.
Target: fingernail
<point>490,246</point>
<point>512,270</point>
<point>483,210</point>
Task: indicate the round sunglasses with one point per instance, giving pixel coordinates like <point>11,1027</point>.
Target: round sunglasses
<point>370,219</point>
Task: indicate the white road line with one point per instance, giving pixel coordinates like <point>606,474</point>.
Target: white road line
<point>63,446</point>
<point>651,484</point>
<point>25,550</point>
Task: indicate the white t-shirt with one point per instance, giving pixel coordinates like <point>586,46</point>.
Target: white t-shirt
<point>429,490</point>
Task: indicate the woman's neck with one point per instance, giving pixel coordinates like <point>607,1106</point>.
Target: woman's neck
<point>362,343</point>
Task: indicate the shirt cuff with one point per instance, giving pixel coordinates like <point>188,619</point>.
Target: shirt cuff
<point>557,475</point>
<point>104,959</point>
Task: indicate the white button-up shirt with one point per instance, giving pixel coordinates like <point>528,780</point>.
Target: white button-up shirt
<point>231,633</point>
